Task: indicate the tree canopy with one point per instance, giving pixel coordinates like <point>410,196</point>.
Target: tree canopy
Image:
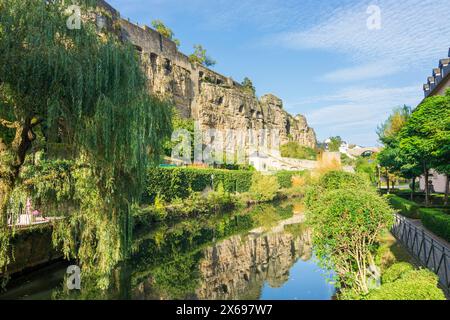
<point>417,141</point>
<point>335,144</point>
<point>248,86</point>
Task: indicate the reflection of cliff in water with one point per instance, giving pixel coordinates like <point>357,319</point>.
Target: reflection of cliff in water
<point>234,268</point>
<point>237,268</point>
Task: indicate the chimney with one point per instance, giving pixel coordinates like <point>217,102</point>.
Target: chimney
<point>437,75</point>
<point>426,89</point>
<point>431,83</point>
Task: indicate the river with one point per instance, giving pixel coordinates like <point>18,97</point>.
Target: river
<point>260,253</point>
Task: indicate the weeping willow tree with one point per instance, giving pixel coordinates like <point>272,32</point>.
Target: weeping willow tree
<point>86,90</point>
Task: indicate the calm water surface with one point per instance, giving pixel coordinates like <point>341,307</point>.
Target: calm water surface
<point>261,253</point>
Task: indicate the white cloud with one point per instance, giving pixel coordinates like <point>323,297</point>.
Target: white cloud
<point>413,34</point>
<point>357,111</point>
<point>361,72</point>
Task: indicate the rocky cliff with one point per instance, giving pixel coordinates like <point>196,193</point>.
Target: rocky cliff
<point>238,267</point>
<point>214,100</point>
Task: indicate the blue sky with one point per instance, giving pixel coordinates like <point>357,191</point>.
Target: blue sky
<point>318,56</point>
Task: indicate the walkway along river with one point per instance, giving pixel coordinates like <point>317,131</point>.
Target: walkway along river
<point>430,251</point>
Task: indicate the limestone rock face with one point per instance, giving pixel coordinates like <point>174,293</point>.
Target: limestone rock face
<point>215,101</point>
<point>238,267</point>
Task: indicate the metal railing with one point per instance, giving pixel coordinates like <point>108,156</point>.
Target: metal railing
<point>431,253</point>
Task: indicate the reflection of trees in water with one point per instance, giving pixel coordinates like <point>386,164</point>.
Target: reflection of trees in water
<point>185,265</point>
<point>186,261</point>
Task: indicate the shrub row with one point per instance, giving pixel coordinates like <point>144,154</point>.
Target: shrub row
<point>437,221</point>
<point>285,178</point>
<point>407,208</point>
<point>171,183</point>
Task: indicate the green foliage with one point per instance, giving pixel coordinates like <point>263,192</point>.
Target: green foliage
<point>367,166</point>
<point>347,224</point>
<point>297,151</point>
<point>179,123</point>
<point>346,217</point>
<point>407,208</point>
<point>394,161</point>
<point>92,95</point>
<point>285,178</point>
<point>264,187</point>
<point>334,144</point>
<point>179,278</point>
<point>346,160</point>
<point>334,180</point>
<point>388,131</point>
<point>425,139</point>
<point>412,285</point>
<point>171,183</point>
<point>341,180</point>
<point>165,31</point>
<point>200,57</point>
<point>437,221</point>
<point>396,271</point>
<point>247,85</point>
<point>401,282</point>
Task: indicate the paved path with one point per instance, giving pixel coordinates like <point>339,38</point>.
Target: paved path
<point>419,224</point>
<point>430,250</point>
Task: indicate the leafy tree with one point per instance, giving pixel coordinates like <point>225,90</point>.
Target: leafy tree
<point>388,131</point>
<point>441,136</point>
<point>247,85</point>
<point>335,144</point>
<point>391,159</point>
<point>346,223</point>
<point>91,95</point>
<point>297,151</point>
<point>165,31</point>
<point>387,159</point>
<point>199,56</point>
<point>425,138</point>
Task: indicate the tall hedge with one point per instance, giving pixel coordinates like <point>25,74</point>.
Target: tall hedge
<point>172,183</point>
<point>407,208</point>
<point>436,221</point>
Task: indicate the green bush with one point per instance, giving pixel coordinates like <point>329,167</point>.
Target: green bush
<point>285,178</point>
<point>412,285</point>
<point>437,221</point>
<point>346,224</point>
<point>340,180</point>
<point>407,208</point>
<point>335,180</point>
<point>396,271</point>
<point>171,183</point>
<point>297,151</point>
<point>264,187</point>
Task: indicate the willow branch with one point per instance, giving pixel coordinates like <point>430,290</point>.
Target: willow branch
<point>9,124</point>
